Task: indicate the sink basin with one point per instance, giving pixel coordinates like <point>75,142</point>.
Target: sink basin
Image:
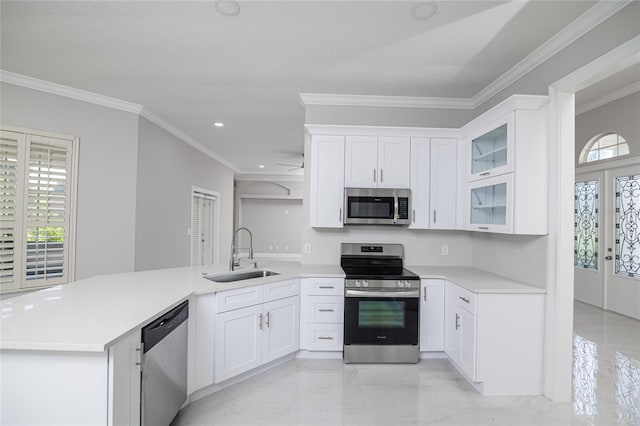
<point>239,276</point>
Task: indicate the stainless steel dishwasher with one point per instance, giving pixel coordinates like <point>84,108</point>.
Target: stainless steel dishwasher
<point>164,367</point>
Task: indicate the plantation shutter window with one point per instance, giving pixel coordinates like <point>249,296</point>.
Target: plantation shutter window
<point>203,232</point>
<point>11,177</point>
<point>35,210</point>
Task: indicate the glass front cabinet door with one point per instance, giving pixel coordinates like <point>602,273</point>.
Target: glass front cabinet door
<point>491,204</point>
<point>491,149</point>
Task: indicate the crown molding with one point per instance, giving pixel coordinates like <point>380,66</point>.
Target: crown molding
<point>347,130</point>
<point>384,101</point>
<point>109,102</point>
<point>597,14</point>
<point>185,138</point>
<point>610,97</point>
<point>269,177</point>
<point>68,92</point>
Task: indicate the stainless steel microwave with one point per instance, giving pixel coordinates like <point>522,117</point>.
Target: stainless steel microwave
<point>376,206</point>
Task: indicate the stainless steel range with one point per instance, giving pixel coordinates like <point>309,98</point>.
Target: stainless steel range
<point>381,305</point>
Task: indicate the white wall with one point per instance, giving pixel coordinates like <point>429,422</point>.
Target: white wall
<point>167,169</point>
<point>619,116</point>
<point>519,257</point>
<point>107,171</point>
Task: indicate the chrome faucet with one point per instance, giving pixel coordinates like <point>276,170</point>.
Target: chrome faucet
<point>233,262</point>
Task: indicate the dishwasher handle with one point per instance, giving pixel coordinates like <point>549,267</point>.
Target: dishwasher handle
<point>159,328</point>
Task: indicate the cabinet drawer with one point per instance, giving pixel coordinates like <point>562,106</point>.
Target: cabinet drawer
<point>281,290</point>
<point>324,286</point>
<point>325,337</point>
<point>325,309</point>
<point>467,300</point>
<point>239,298</point>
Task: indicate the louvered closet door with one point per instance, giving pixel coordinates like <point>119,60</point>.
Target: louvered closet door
<point>48,202</point>
<point>11,186</point>
<point>202,230</point>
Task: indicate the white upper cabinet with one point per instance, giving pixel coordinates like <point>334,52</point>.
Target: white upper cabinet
<point>327,181</point>
<point>394,160</point>
<point>420,165</point>
<point>507,168</point>
<point>491,149</point>
<point>361,162</point>
<point>443,184</point>
<point>433,183</point>
<point>377,162</point>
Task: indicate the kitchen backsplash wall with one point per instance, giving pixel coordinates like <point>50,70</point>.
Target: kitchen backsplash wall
<point>519,257</point>
<point>421,247</point>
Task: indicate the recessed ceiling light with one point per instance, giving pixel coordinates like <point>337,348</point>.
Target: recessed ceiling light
<point>261,166</point>
<point>227,7</point>
<point>424,10</point>
<point>218,124</point>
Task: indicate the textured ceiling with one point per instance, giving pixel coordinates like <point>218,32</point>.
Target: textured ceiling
<point>190,65</point>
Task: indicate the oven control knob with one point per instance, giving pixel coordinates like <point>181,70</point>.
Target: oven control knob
<point>365,283</point>
<point>358,284</point>
<point>400,283</point>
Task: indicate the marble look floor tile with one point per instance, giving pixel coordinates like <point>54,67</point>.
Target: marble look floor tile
<point>606,390</point>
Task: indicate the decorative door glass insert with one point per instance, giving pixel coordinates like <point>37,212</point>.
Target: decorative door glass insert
<point>627,232</point>
<point>586,225</point>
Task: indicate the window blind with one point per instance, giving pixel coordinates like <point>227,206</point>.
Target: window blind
<point>9,207</point>
<point>203,244</point>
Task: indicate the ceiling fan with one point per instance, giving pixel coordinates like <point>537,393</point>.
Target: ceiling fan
<point>294,166</point>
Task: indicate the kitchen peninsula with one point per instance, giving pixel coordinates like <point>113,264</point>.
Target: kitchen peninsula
<point>73,348</point>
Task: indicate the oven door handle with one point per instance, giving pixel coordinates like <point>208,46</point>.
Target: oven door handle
<point>385,293</point>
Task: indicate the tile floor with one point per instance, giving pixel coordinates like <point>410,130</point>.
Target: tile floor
<point>328,392</point>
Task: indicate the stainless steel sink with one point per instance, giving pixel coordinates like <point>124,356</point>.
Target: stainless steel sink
<point>239,276</point>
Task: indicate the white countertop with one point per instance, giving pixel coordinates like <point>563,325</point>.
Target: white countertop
<point>91,314</point>
<point>474,280</point>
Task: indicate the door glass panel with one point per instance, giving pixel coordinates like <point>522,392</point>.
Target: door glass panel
<point>627,230</point>
<point>489,204</point>
<point>586,225</point>
<point>489,150</point>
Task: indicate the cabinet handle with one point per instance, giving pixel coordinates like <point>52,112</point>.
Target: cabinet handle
<point>374,175</point>
<point>457,323</point>
<point>325,310</point>
<point>340,215</point>
<point>485,174</point>
<point>381,175</point>
<point>464,299</point>
<point>424,295</point>
<point>414,216</point>
<point>483,227</point>
<point>326,286</point>
<point>434,216</point>
<point>260,321</point>
<point>268,319</point>
<point>325,338</point>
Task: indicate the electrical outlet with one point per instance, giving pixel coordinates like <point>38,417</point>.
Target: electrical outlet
<point>444,250</point>
<point>307,248</point>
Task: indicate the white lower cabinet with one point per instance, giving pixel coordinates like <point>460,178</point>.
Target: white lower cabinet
<point>265,330</point>
<point>496,339</point>
<point>72,387</point>
<point>432,315</point>
<point>322,314</point>
<point>124,379</point>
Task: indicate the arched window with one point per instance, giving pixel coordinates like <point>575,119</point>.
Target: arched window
<point>604,146</point>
